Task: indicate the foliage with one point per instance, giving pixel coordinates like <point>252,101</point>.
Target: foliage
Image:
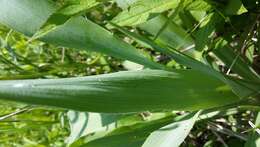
<point>195,64</point>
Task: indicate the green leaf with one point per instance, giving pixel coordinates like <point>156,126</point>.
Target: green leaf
<point>140,11</point>
<point>174,54</point>
<point>134,131</point>
<point>131,91</point>
<point>77,32</point>
<point>234,61</point>
<point>242,88</point>
<point>26,16</point>
<point>83,123</point>
<point>131,135</point>
<point>172,35</point>
<point>124,4</point>
<point>187,19</point>
<point>75,7</point>
<point>207,27</point>
<point>173,134</point>
<point>197,5</point>
<point>80,33</point>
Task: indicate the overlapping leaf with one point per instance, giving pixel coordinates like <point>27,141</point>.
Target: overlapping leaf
<point>29,16</point>
<point>131,135</point>
<point>132,131</point>
<point>243,89</point>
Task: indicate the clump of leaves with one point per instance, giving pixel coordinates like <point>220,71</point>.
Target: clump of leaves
<point>202,60</point>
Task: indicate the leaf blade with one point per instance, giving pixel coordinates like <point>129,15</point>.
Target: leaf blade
<point>130,91</point>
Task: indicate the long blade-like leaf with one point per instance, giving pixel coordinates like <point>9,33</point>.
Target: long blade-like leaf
<point>124,91</point>
<point>80,33</point>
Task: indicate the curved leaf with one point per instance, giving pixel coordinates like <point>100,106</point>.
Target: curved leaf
<point>80,33</point>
